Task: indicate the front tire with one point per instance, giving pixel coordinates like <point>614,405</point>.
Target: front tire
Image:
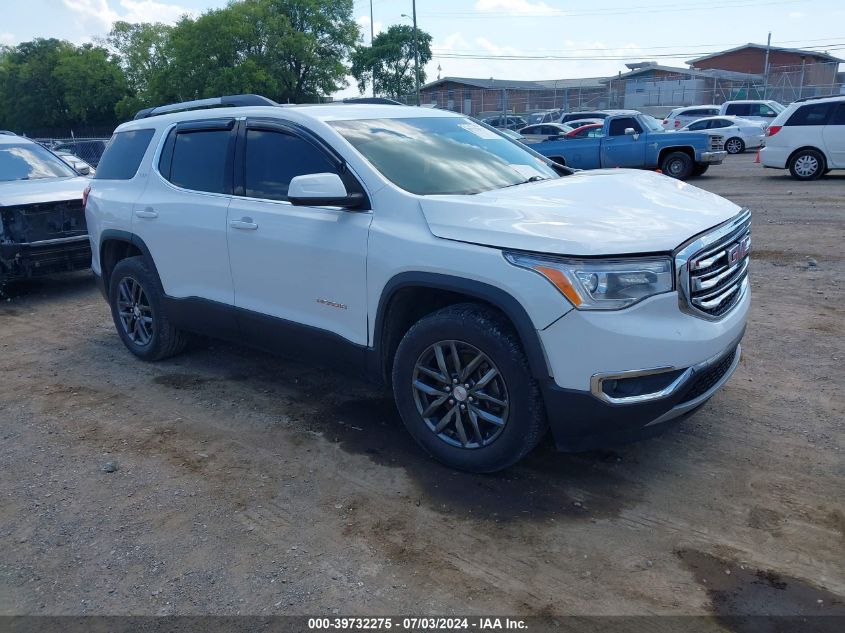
<point>464,389</point>
<point>734,145</point>
<point>677,165</point>
<point>700,169</point>
<point>807,164</point>
<point>137,307</point>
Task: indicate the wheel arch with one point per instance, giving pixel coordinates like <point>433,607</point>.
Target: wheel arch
<point>116,245</point>
<point>434,291</point>
<point>686,149</point>
<point>804,148</point>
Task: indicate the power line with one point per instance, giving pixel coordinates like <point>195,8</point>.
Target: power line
<point>608,11</point>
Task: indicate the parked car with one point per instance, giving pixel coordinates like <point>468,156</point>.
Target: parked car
<point>679,117</point>
<point>512,134</point>
<point>593,130</point>
<point>77,164</point>
<point>576,116</point>
<point>88,150</point>
<point>508,122</point>
<point>42,221</point>
<point>754,109</point>
<point>576,123</point>
<point>632,139</point>
<point>739,134</point>
<point>544,132</point>
<point>808,138</point>
<point>543,116</point>
<point>393,241</point>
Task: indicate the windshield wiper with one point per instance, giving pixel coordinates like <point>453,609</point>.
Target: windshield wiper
<point>525,182</point>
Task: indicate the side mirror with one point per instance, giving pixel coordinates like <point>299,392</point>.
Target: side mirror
<point>321,190</point>
<point>83,170</point>
<point>629,131</point>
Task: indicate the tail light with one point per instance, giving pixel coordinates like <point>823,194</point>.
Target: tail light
<point>677,123</point>
<point>85,193</point>
<point>665,121</point>
<point>773,129</point>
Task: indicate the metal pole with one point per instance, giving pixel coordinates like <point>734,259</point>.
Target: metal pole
<point>416,50</point>
<point>372,35</point>
<point>801,85</point>
<point>766,68</point>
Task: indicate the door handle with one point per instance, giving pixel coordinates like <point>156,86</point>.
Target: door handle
<point>244,224</point>
<point>146,212</point>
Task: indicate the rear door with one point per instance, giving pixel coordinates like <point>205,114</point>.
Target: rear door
<point>623,150</point>
<point>834,137</point>
<point>181,216</point>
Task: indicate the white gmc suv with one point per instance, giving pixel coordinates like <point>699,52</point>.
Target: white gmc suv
<point>496,293</point>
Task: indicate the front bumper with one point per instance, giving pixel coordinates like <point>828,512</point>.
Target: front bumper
<point>712,158</point>
<point>621,376</point>
<point>20,260</point>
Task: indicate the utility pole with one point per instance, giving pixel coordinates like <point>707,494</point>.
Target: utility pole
<point>372,36</point>
<point>416,50</point>
<point>766,68</point>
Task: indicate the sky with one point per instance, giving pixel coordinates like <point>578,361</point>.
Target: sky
<point>583,39</point>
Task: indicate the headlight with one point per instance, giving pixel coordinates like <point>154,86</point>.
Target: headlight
<point>601,284</point>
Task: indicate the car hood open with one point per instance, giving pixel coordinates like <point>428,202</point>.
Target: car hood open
<point>601,212</point>
<point>18,192</point>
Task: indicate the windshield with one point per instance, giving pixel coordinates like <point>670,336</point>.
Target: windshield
<point>443,155</point>
<point>30,161</point>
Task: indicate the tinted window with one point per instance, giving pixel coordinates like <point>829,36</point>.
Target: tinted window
<point>717,123</point>
<point>200,160</point>
<point>618,126</point>
<point>123,155</point>
<point>738,109</point>
<point>442,155</point>
<point>30,161</point>
<point>761,109</point>
<point>273,158</point>
<point>812,114</point>
<point>699,125</point>
<point>838,117</point>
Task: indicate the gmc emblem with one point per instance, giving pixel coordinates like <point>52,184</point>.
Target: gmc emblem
<point>739,250</point>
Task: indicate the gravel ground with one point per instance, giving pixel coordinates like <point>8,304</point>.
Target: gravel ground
<point>226,481</point>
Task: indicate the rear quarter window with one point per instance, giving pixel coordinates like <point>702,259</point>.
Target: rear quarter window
<point>738,109</point>
<point>123,155</point>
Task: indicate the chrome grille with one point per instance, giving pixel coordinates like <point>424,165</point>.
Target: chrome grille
<point>717,142</point>
<point>713,269</point>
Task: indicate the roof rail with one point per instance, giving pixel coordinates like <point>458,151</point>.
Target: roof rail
<point>237,101</point>
<point>372,100</point>
<point>817,97</point>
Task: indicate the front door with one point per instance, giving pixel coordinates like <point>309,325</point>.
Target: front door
<point>297,270</point>
<point>620,149</point>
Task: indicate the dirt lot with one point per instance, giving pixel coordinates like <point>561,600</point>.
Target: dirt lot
<point>253,485</point>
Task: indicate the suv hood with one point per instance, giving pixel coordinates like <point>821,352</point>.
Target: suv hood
<point>601,212</point>
<point>19,192</point>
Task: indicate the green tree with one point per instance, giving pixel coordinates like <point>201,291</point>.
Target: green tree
<point>288,50</point>
<point>143,53</point>
<point>389,61</point>
<point>50,83</point>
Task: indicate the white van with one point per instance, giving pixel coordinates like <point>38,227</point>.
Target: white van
<point>764,110</point>
<point>807,138</point>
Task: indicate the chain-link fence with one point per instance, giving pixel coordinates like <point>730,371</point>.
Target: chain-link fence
<point>88,149</point>
<point>655,91</point>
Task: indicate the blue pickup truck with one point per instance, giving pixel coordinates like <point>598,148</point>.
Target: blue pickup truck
<point>632,139</point>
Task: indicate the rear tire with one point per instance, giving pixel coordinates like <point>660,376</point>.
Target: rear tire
<point>677,165</point>
<point>734,145</point>
<point>137,307</point>
<point>807,164</point>
<point>490,412</point>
